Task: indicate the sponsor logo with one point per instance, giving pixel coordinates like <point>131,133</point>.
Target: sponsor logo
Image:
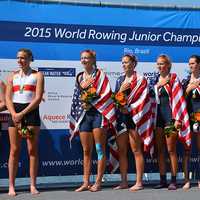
<point>56,118</point>
<point>58,72</point>
<point>150,75</point>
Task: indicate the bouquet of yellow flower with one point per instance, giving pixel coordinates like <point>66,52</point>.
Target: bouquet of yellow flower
<point>196,121</point>
<point>170,129</point>
<point>119,99</point>
<point>88,95</point>
<point>196,116</point>
<point>24,131</point>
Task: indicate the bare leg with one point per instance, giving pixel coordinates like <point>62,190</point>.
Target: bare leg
<point>136,147</point>
<point>32,144</point>
<point>186,159</point>
<point>198,147</point>
<point>171,147</point>
<point>15,146</point>
<point>122,143</point>
<point>160,145</point>
<point>100,143</point>
<point>87,144</point>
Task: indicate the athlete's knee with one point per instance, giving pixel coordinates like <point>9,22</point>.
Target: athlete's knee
<point>137,151</point>
<point>32,151</point>
<point>172,151</point>
<point>14,151</point>
<point>100,151</point>
<point>87,152</point>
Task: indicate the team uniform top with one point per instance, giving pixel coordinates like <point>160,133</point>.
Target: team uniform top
<point>24,87</point>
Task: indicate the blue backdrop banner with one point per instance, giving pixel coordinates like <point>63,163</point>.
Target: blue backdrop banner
<point>57,33</point>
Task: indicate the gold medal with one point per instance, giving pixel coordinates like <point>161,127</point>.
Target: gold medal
<point>21,89</point>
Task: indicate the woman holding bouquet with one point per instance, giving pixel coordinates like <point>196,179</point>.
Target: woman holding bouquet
<point>172,119</point>
<point>133,120</point>
<point>24,92</point>
<point>92,109</point>
<point>191,86</point>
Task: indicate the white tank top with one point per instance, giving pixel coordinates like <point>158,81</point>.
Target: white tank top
<point>24,87</point>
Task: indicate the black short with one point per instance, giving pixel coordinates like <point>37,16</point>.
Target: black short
<point>164,116</point>
<point>124,122</point>
<point>30,119</point>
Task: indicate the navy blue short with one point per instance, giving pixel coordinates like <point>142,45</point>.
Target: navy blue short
<point>91,120</point>
<point>124,123</point>
<point>30,119</point>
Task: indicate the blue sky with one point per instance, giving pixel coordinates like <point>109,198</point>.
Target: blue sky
<point>148,2</point>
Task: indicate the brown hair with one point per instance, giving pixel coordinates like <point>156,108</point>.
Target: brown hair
<point>132,58</point>
<point>28,53</point>
<point>92,54</point>
<point>196,57</point>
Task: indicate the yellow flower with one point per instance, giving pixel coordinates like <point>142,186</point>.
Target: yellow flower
<point>123,102</point>
<point>197,116</point>
<point>84,96</point>
<point>92,90</point>
<point>120,96</point>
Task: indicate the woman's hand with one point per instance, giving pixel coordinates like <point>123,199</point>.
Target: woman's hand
<point>177,125</point>
<point>17,117</point>
<point>191,87</point>
<point>124,87</point>
<point>86,106</point>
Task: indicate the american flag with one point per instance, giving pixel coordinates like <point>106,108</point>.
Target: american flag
<point>179,108</point>
<point>141,110</point>
<point>104,104</point>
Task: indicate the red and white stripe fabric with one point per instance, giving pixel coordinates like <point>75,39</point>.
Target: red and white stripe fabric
<point>104,103</point>
<point>141,110</point>
<point>198,89</point>
<point>179,108</point>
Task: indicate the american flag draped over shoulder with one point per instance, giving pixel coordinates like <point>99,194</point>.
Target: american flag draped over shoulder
<point>141,110</point>
<point>179,108</point>
<point>104,104</point>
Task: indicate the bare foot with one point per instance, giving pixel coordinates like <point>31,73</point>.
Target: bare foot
<point>136,188</point>
<point>12,192</point>
<point>95,188</point>
<point>121,186</point>
<point>34,190</point>
<point>186,186</point>
<point>83,187</point>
